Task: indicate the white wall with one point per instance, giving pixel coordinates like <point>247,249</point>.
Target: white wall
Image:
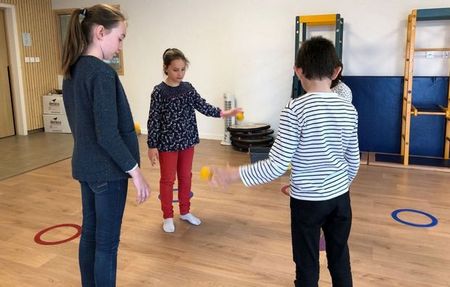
<point>246,47</point>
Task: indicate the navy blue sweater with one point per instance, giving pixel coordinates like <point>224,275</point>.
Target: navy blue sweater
<point>105,142</point>
<point>172,125</point>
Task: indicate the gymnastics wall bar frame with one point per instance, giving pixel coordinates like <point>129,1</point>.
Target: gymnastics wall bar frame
<point>408,109</point>
<point>301,25</point>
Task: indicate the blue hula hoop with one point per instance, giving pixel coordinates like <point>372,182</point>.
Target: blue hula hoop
<point>395,213</point>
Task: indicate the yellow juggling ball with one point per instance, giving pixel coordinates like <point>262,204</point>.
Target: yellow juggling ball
<point>205,173</point>
<point>240,116</point>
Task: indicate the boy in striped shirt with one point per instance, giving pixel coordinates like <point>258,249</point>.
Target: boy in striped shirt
<point>318,136</point>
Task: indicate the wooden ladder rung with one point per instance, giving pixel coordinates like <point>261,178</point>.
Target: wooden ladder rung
<point>437,110</point>
<point>429,113</point>
<point>432,49</point>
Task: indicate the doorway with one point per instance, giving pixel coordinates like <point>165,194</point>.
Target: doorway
<point>6,103</point>
<point>14,59</point>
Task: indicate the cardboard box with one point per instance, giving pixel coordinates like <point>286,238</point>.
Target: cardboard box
<point>53,104</point>
<point>56,124</point>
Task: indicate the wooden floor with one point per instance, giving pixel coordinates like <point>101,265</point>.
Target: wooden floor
<point>245,236</point>
<point>24,153</point>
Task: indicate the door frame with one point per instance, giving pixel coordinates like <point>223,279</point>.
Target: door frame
<point>15,60</point>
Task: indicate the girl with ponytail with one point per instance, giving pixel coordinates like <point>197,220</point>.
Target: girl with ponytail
<point>106,151</point>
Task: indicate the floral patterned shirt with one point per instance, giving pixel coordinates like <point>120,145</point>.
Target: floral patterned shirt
<point>172,125</point>
<point>343,90</point>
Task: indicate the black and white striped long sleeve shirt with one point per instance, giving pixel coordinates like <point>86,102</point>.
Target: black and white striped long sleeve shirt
<point>318,135</point>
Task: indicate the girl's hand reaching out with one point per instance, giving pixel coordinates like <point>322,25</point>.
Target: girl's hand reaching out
<point>231,112</point>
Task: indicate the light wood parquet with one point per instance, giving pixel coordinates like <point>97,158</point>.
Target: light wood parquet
<point>244,239</point>
<point>20,154</point>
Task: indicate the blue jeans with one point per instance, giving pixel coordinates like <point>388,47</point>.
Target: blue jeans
<point>103,206</point>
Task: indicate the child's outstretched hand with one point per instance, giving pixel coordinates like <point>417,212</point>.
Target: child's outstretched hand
<point>231,112</point>
<point>224,176</point>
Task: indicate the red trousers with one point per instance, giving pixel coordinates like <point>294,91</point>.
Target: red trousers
<point>175,163</point>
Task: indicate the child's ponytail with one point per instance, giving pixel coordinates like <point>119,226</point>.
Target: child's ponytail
<point>75,42</point>
<point>78,34</point>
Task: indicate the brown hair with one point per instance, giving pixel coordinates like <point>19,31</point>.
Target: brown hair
<point>79,31</point>
<point>173,54</point>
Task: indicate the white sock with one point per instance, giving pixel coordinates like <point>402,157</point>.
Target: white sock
<point>168,225</point>
<point>191,219</point>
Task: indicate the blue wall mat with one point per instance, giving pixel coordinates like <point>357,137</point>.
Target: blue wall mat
<point>379,104</point>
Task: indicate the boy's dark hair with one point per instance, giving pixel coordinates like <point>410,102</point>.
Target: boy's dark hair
<point>317,57</point>
<point>173,54</point>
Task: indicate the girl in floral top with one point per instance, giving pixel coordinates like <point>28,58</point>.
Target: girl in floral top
<point>173,133</point>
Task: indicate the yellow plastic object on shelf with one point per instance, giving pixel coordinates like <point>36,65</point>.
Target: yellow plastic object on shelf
<point>137,128</point>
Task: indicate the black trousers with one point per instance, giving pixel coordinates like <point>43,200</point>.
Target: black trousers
<point>334,216</point>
